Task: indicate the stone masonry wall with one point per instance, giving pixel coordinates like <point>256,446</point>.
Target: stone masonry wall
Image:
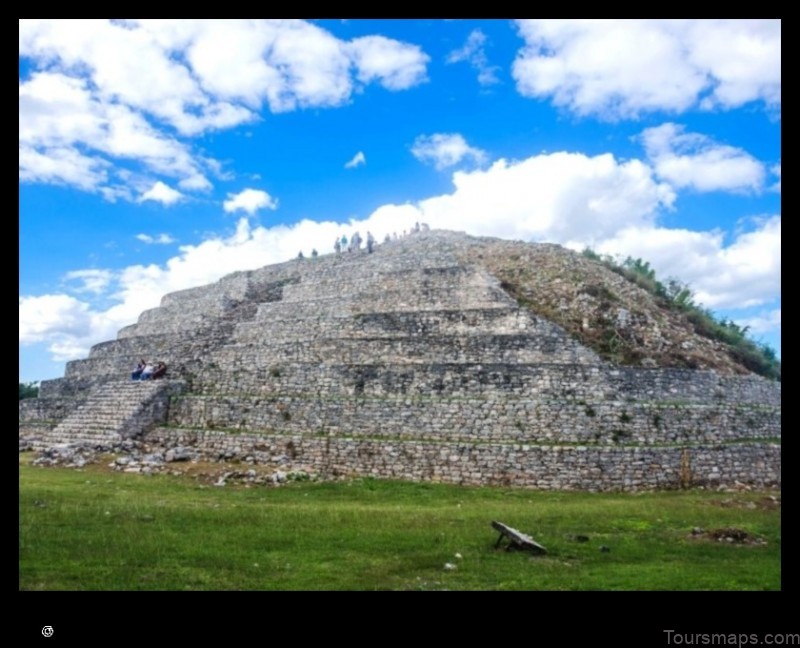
<point>542,467</point>
<point>475,419</point>
<point>37,416</point>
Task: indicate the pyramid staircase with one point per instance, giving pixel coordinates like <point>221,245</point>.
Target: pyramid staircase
<point>113,412</point>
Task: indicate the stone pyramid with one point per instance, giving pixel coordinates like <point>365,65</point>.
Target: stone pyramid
<point>405,363</point>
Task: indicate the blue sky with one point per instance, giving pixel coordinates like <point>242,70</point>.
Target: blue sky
<point>159,155</point>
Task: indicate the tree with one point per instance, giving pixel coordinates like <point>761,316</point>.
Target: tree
<point>28,390</point>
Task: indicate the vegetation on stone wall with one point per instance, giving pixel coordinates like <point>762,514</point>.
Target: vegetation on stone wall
<point>621,310</point>
<point>758,357</point>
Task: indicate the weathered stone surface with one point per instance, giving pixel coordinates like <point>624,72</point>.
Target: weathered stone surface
<point>408,363</point>
<point>517,539</point>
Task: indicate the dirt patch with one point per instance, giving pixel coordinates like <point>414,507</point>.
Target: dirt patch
<point>729,535</point>
<point>766,503</point>
<point>771,502</point>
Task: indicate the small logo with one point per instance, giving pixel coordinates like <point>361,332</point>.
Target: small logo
<point>47,631</point>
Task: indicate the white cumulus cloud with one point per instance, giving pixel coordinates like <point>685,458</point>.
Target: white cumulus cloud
<point>68,326</point>
<point>474,52</point>
<point>765,322</point>
<point>46,315</point>
<point>395,65</point>
<point>250,201</point>
<point>745,273</point>
<point>776,171</point>
<point>104,94</point>
<point>358,159</point>
<point>445,149</point>
<point>621,68</point>
<point>62,166</point>
<point>68,136</point>
<point>92,280</point>
<point>213,74</point>
<point>160,192</point>
<point>196,182</point>
<point>160,239</point>
<point>694,160</point>
<point>127,63</point>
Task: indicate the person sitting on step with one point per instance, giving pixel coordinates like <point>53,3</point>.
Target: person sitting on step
<point>161,369</point>
<point>137,373</point>
<point>147,372</point>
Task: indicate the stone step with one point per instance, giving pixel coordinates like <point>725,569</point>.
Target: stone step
<point>335,307</point>
<point>465,289</point>
<point>119,367</point>
<point>412,273</point>
<point>369,339</point>
<point>117,410</point>
<point>465,380</point>
<point>512,348</point>
<point>392,324</point>
<point>154,346</point>
<point>192,308</point>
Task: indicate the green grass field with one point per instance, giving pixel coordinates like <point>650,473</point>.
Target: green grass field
<point>93,529</point>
